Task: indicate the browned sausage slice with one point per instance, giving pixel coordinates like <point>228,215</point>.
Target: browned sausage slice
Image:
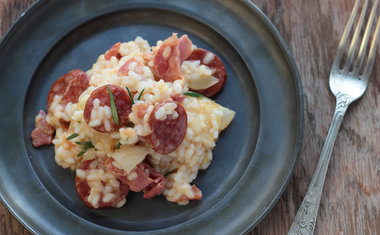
<point>213,61</point>
<point>97,188</point>
<point>70,86</point>
<point>123,105</point>
<point>158,181</point>
<point>146,178</point>
<point>166,60</point>
<point>43,131</point>
<point>113,51</point>
<point>167,134</point>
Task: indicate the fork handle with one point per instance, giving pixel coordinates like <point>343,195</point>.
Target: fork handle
<point>305,219</point>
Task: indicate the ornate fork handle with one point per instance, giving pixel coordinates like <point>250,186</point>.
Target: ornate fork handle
<point>305,219</point>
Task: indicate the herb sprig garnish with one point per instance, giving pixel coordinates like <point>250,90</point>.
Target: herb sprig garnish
<point>132,124</point>
<point>138,98</point>
<point>115,116</point>
<point>169,173</point>
<point>85,146</point>
<point>130,95</point>
<point>72,136</point>
<point>193,94</point>
<point>118,145</point>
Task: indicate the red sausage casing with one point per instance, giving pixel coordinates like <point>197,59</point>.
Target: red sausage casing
<point>212,61</point>
<point>169,133</point>
<point>70,86</point>
<point>122,101</point>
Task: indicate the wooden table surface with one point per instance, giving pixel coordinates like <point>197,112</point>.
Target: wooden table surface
<point>351,196</point>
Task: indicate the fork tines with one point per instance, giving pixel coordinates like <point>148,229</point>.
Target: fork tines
<point>354,68</point>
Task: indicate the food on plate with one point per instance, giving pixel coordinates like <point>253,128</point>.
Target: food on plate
<point>139,120</point>
<point>210,84</point>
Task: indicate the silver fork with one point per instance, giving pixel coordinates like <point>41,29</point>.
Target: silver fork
<point>348,84</point>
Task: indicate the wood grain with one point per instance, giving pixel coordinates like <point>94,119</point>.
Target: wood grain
<point>351,197</point>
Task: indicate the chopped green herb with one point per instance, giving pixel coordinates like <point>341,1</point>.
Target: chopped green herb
<point>170,172</point>
<point>85,146</point>
<point>130,95</point>
<point>193,94</point>
<point>72,136</point>
<point>118,145</point>
<point>81,152</point>
<point>115,116</point>
<point>132,124</point>
<point>138,98</point>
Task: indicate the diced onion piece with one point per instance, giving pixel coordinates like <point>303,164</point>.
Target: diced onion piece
<point>202,82</point>
<point>227,117</point>
<point>129,156</point>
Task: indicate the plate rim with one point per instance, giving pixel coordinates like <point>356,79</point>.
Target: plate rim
<point>299,98</point>
<point>297,79</point>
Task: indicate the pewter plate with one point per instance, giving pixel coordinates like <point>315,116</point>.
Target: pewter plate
<point>254,157</point>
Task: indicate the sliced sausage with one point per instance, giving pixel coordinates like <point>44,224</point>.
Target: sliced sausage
<point>98,188</point>
<point>185,48</point>
<point>43,132</point>
<point>113,51</point>
<point>123,105</point>
<point>70,86</point>
<point>213,61</point>
<point>130,65</point>
<point>168,133</point>
<point>141,178</point>
<point>166,60</point>
<point>158,181</point>
<point>179,98</point>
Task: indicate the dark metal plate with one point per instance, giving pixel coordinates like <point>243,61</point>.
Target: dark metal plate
<point>254,157</point>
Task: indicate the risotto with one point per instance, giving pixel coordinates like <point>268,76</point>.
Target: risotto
<point>139,120</point>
